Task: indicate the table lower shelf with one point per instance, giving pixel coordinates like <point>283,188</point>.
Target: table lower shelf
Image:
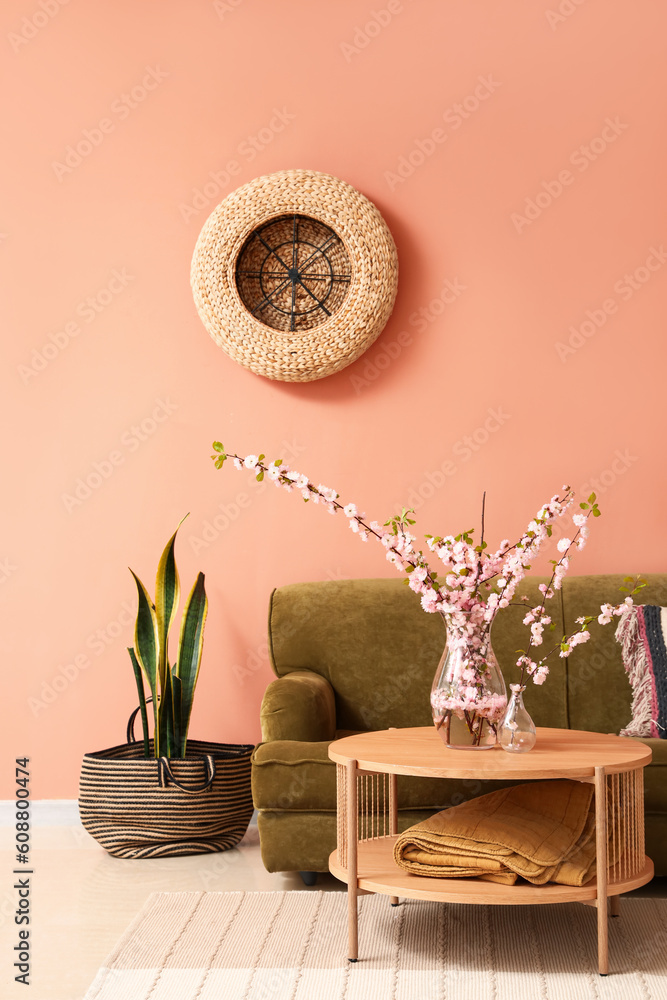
<point>378,872</point>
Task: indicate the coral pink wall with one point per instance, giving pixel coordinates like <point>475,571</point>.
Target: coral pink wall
<point>526,348</point>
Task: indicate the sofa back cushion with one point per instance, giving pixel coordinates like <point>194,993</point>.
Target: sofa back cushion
<point>379,649</point>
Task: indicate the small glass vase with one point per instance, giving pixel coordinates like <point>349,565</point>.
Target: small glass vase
<point>468,695</point>
<point>517,732</point>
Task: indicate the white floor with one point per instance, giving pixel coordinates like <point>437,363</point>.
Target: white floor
<point>82,900</point>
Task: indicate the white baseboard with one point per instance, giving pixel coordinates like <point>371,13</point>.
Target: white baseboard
<point>45,812</point>
<point>53,812</point>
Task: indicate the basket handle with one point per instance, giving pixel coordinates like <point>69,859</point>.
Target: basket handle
<point>165,775</point>
<point>131,738</point>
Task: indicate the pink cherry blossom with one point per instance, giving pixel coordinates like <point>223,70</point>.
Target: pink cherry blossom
<point>475,584</point>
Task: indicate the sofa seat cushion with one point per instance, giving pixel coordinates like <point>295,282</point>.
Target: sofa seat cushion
<point>295,776</point>
<point>289,842</point>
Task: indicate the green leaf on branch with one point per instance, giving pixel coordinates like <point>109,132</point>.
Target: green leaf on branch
<point>592,498</point>
<point>596,512</point>
<point>260,476</point>
<point>217,446</point>
<point>638,583</point>
<point>584,506</point>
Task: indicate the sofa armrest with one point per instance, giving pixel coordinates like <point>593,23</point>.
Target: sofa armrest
<point>299,706</point>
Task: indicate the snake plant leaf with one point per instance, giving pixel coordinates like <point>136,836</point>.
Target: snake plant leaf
<point>166,716</point>
<point>167,595</point>
<point>146,635</point>
<point>178,746</point>
<point>190,649</point>
<point>142,699</point>
<point>146,645</point>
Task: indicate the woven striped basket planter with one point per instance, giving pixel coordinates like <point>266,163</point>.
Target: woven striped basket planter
<point>136,807</point>
<point>294,275</point>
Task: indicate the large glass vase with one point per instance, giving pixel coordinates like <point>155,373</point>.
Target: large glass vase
<point>468,695</point>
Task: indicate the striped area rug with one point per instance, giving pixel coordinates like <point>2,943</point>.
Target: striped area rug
<point>292,946</point>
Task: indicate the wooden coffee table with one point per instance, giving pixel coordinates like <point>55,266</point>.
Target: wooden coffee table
<point>367,765</point>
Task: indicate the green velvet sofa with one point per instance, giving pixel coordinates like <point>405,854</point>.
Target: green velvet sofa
<point>360,655</point>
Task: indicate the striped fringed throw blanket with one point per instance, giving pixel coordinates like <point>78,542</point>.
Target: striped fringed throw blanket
<point>641,632</point>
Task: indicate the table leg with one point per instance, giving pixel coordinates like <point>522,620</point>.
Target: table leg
<point>352,877</point>
<point>393,819</point>
<point>615,906</point>
<point>601,867</point>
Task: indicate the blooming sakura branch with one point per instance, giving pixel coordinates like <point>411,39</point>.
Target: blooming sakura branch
<point>471,584</point>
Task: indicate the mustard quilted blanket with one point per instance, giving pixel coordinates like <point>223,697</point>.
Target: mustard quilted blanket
<point>543,831</point>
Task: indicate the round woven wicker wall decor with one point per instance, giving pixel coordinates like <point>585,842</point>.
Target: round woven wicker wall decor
<point>294,275</point>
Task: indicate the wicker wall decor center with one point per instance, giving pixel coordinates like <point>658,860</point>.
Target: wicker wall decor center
<point>293,272</point>
<point>294,275</point>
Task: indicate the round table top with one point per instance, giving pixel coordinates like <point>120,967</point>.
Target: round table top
<point>558,753</point>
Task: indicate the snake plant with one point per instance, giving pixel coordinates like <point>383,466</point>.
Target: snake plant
<point>172,686</point>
